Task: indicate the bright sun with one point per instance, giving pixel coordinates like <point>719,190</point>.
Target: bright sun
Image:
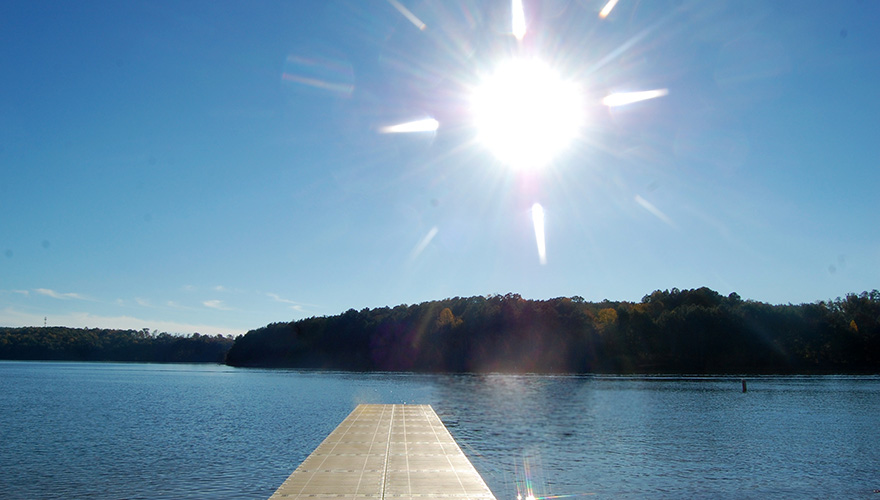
<point>526,114</point>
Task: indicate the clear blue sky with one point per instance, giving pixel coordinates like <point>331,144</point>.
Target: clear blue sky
<point>216,166</point>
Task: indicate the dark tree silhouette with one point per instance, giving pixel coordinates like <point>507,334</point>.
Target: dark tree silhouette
<point>669,331</point>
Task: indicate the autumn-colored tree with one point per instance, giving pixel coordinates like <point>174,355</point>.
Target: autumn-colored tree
<point>447,320</point>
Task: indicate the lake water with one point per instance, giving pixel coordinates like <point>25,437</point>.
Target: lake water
<point>113,431</point>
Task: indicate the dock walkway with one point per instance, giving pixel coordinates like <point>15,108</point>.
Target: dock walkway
<point>398,452</point>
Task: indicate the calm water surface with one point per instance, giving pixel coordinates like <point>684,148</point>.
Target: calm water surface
<point>113,431</point>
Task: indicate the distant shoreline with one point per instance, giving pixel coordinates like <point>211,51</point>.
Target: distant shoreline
<point>669,332</point>
<point>696,332</point>
<point>56,343</point>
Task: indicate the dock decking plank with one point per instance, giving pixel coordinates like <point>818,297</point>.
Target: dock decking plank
<point>398,452</point>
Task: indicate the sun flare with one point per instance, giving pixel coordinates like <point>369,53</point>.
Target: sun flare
<point>526,114</point>
<point>540,239</point>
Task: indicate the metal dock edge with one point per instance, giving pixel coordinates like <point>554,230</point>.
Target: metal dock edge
<point>398,452</point>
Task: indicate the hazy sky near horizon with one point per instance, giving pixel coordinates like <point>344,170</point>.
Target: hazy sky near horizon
<point>215,166</point>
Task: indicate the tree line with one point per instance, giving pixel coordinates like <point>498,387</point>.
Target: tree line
<point>670,331</point>
<point>94,344</point>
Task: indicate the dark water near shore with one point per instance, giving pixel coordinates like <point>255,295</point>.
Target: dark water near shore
<point>112,431</point>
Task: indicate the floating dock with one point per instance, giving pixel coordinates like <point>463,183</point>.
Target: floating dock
<point>398,452</point>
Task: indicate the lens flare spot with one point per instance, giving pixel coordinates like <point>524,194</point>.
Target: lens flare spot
<point>425,125</point>
<point>656,212</point>
<point>408,15</point>
<point>606,10</point>
<point>538,222</point>
<point>423,243</point>
<point>624,98</point>
<point>320,71</point>
<point>518,19</point>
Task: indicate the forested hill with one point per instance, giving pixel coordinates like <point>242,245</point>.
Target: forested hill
<point>677,331</point>
<point>93,344</point>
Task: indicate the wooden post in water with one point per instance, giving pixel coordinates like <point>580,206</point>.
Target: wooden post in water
<point>744,385</point>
